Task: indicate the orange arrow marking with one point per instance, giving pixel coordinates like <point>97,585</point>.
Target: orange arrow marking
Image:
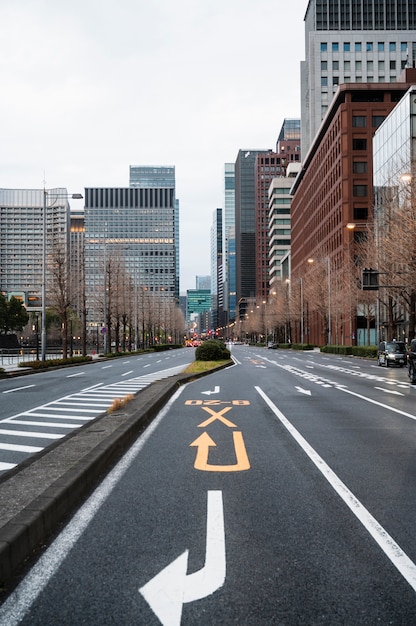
<point>217,415</point>
<point>204,442</point>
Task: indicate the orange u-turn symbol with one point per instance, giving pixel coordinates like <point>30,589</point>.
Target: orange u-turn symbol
<point>204,442</point>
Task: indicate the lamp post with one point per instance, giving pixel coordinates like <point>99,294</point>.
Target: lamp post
<point>58,196</point>
<point>328,262</point>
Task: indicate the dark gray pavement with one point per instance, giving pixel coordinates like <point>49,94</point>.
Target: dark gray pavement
<point>42,492</point>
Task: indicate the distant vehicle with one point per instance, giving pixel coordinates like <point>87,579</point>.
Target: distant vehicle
<point>411,361</point>
<point>392,353</point>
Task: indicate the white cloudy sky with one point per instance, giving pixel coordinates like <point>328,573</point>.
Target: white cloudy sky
<point>90,87</point>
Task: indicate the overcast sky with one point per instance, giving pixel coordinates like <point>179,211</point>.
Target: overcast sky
<point>90,87</point>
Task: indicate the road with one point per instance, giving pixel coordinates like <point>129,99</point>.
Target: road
<point>38,410</point>
<point>277,491</point>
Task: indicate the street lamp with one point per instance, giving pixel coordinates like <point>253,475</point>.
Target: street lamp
<point>328,261</point>
<point>57,196</point>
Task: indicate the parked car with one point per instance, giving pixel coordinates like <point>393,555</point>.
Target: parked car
<point>411,361</point>
<point>392,353</point>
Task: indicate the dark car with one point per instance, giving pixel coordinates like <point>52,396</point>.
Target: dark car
<point>392,353</point>
<point>411,361</point>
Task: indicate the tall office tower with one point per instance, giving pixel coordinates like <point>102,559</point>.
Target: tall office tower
<point>268,166</point>
<point>77,261</point>
<point>228,233</point>
<point>245,227</point>
<point>217,291</point>
<point>162,177</point>
<point>22,235</point>
<point>203,282</point>
<point>131,231</point>
<point>352,41</point>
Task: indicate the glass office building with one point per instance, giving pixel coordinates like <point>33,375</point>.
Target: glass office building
<point>21,240</point>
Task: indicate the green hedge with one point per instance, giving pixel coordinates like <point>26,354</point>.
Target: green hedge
<point>39,365</point>
<point>363,351</point>
<point>212,350</point>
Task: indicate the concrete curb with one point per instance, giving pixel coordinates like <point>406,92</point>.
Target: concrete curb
<point>41,495</point>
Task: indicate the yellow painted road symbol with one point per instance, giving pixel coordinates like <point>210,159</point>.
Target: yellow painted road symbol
<point>204,442</point>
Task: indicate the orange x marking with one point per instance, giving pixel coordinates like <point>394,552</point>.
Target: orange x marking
<point>217,415</point>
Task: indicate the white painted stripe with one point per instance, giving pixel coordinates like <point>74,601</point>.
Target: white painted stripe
<point>85,418</point>
<point>18,389</point>
<point>56,407</point>
<point>15,448</point>
<point>391,549</point>
<point>79,404</point>
<point>6,466</point>
<point>77,374</point>
<point>27,433</point>
<point>45,424</point>
<point>14,609</point>
<point>127,373</point>
<point>384,406</point>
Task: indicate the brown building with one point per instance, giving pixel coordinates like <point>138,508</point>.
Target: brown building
<point>333,189</point>
<point>268,166</point>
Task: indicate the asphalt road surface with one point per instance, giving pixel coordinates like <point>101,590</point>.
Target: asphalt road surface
<point>278,491</point>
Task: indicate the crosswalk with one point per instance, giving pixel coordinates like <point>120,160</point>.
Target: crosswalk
<point>32,431</point>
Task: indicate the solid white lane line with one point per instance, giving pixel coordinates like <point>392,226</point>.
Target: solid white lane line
<point>391,549</point>
<point>18,389</point>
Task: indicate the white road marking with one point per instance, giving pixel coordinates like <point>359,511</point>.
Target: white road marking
<point>391,549</point>
<point>18,389</point>
<point>14,609</point>
<point>28,433</point>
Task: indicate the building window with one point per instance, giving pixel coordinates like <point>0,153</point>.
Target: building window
<point>324,66</point>
<point>359,144</point>
<point>359,167</point>
<point>376,120</point>
<point>360,213</point>
<point>359,121</point>
<point>381,66</point>
<point>392,46</point>
<point>324,46</point>
<point>335,46</point>
<point>358,66</point>
<point>403,46</point>
<point>347,46</point>
<point>324,81</point>
<point>369,46</point>
<point>335,80</point>
<point>357,46</point>
<point>335,65</point>
<point>380,46</point>
<point>347,66</point>
<point>359,191</point>
<point>392,65</point>
<point>370,66</point>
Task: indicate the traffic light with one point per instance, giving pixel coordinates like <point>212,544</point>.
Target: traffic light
<point>370,279</point>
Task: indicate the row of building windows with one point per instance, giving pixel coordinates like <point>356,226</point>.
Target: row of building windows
<point>370,65</point>
<point>337,80</point>
<point>369,46</point>
<point>129,198</point>
<point>365,15</point>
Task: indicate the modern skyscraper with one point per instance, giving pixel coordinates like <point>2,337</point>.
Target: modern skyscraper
<point>229,241</point>
<point>21,240</point>
<point>245,226</point>
<point>162,177</point>
<point>352,41</point>
<point>135,229</point>
<point>217,290</point>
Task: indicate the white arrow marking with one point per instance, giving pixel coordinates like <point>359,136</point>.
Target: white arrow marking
<point>396,393</point>
<point>305,391</point>
<point>216,390</point>
<point>168,590</point>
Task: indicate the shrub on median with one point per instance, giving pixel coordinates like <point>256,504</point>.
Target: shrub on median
<point>212,350</point>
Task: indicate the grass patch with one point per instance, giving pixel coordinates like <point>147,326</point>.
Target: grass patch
<point>204,366</point>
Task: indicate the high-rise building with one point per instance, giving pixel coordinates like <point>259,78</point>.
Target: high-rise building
<point>334,189</point>
<point>245,226</point>
<point>279,223</point>
<point>159,177</point>
<point>268,166</point>
<point>228,246</point>
<point>134,230</point>
<point>203,282</point>
<point>22,235</point>
<point>351,41</point>
<point>217,288</point>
